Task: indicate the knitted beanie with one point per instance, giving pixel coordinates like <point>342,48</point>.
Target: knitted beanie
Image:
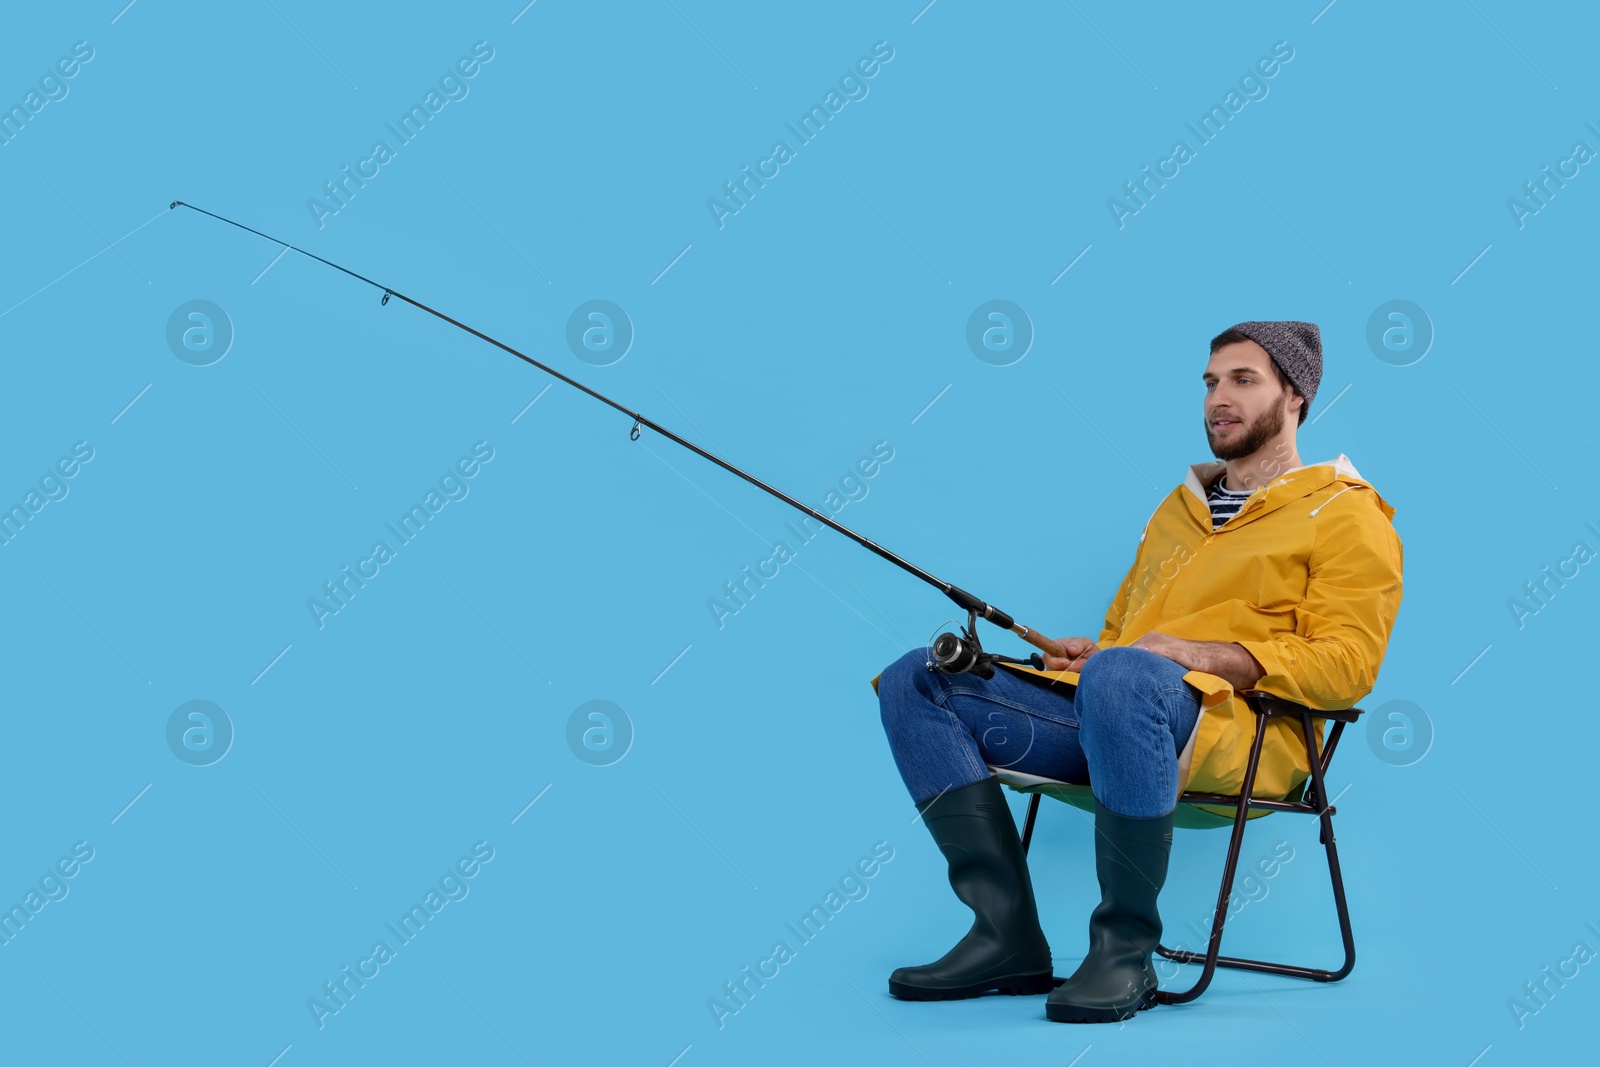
<point>1296,347</point>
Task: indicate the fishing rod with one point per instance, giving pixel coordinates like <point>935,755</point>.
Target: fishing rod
<point>951,654</point>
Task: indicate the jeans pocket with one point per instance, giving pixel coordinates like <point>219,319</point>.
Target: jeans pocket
<point>1043,708</point>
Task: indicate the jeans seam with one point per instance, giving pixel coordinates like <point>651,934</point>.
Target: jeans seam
<point>940,696</point>
<point>1181,688</point>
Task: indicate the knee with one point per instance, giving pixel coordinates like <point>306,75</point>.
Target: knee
<point>1118,665</point>
<point>901,682</point>
<point>1116,679</point>
<point>904,673</point>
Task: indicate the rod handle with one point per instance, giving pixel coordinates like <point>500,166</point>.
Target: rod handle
<point>1040,641</point>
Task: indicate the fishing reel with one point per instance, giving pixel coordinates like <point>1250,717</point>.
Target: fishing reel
<point>964,654</point>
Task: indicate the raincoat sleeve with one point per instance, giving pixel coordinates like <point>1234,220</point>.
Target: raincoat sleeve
<point>1342,625</point>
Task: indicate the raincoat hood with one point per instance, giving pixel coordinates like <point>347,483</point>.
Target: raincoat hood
<point>1290,485</point>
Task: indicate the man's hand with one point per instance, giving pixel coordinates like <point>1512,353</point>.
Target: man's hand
<point>1174,648</point>
<point>1079,649</point>
<point>1225,659</point>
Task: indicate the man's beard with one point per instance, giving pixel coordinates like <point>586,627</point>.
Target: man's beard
<point>1258,433</point>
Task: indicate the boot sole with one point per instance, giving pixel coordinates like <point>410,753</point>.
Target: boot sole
<point>1019,985</point>
<point>1075,1013</point>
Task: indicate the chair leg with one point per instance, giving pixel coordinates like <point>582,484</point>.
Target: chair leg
<point>1211,958</point>
<point>1326,819</point>
<point>1027,823</point>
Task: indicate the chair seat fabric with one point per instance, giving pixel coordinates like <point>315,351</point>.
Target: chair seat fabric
<point>1188,816</point>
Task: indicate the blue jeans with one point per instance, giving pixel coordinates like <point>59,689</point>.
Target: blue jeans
<point>1119,731</point>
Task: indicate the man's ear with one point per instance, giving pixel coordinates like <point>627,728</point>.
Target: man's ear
<point>1297,406</point>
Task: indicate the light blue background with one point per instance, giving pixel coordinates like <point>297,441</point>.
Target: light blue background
<point>822,318</point>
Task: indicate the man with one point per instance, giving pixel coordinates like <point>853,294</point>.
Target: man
<point>1258,572</point>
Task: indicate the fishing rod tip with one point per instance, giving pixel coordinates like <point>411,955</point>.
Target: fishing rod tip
<point>174,204</point>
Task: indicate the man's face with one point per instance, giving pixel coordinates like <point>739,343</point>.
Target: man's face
<point>1245,403</point>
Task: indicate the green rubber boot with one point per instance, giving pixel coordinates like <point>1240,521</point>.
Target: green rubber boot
<point>1005,950</point>
<point>1116,979</point>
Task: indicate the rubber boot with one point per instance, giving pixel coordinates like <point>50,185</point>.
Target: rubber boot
<point>1005,950</point>
<point>1116,979</point>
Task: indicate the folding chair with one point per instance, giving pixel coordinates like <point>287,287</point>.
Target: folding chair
<point>1211,810</point>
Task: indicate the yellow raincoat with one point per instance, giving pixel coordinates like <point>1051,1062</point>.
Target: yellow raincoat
<point>1306,576</point>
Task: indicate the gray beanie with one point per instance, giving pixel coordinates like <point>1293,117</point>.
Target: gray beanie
<point>1296,347</point>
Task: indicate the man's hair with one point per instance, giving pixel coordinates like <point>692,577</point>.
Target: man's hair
<point>1233,337</point>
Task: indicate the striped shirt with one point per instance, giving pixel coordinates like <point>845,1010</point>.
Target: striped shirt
<point>1225,503</point>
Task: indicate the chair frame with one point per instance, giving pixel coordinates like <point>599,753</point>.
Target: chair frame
<point>1266,706</point>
